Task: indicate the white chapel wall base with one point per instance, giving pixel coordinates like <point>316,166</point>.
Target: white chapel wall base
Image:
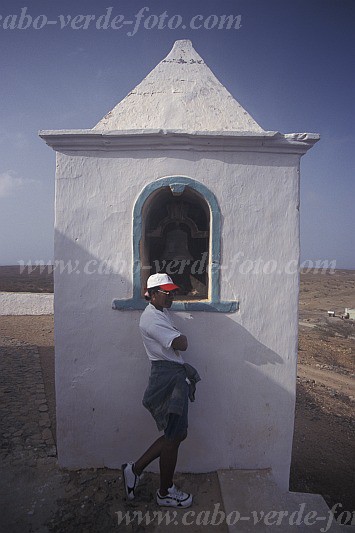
<point>101,421</point>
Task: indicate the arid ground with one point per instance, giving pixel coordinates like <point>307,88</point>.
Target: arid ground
<point>323,447</point>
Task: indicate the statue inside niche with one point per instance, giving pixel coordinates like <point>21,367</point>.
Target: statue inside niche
<point>178,245</point>
<point>177,258</point>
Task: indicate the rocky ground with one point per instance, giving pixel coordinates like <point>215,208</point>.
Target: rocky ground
<point>323,446</point>
<point>37,496</point>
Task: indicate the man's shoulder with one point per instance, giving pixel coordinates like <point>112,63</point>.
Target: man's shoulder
<point>151,315</point>
<point>148,311</point>
<point>145,314</point>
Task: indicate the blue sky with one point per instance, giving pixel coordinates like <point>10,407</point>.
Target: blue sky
<point>290,64</point>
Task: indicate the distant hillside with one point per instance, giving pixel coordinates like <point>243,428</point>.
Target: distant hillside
<point>13,280</point>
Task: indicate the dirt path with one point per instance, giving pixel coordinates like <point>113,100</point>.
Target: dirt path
<point>339,382</point>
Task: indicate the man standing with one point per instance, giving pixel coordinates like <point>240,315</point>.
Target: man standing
<point>167,394</point>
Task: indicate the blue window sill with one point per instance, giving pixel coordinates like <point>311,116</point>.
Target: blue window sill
<point>206,306</point>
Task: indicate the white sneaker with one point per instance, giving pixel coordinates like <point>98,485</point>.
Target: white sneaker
<point>174,498</point>
<point>130,480</point>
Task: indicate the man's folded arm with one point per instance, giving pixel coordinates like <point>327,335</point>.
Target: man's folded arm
<point>180,343</point>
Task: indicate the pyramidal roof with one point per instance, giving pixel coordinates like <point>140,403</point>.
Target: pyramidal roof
<point>180,93</point>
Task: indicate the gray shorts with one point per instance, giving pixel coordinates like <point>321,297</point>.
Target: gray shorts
<point>177,424</point>
<point>167,398</point>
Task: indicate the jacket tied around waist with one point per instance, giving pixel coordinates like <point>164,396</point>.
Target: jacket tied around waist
<point>170,386</point>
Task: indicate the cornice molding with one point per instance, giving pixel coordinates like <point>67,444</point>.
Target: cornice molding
<point>68,141</point>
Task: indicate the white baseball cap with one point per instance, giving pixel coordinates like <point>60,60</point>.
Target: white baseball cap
<point>161,280</point>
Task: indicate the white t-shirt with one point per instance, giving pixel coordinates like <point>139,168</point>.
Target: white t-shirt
<point>158,332</point>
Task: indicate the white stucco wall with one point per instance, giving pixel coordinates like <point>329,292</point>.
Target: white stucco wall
<point>244,411</point>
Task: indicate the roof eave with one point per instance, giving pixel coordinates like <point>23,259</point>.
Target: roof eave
<point>127,140</point>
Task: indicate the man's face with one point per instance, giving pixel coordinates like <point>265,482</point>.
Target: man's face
<point>163,298</point>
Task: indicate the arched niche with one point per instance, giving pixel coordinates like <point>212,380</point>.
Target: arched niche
<point>151,219</point>
<point>175,239</point>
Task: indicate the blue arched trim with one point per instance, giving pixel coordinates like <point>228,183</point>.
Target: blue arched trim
<point>177,185</point>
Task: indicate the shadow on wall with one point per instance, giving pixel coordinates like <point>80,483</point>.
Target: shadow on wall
<point>241,395</point>
<point>243,414</point>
